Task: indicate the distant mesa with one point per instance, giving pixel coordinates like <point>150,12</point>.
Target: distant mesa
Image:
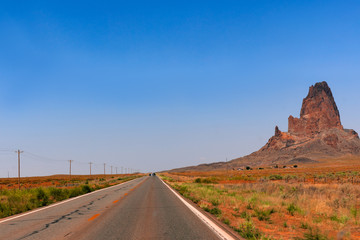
<point>317,134</point>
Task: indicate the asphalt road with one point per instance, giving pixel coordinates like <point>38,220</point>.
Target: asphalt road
<point>140,209</point>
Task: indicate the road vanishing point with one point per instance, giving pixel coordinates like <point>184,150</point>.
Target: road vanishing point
<point>144,208</point>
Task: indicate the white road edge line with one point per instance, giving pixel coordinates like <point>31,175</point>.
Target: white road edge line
<point>208,222</point>
<point>59,203</point>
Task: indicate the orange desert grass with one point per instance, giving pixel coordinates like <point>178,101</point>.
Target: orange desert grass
<point>279,209</point>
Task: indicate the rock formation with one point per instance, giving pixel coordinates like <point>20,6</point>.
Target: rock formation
<point>318,113</point>
<point>317,134</point>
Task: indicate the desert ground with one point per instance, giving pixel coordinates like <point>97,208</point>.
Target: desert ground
<point>303,201</point>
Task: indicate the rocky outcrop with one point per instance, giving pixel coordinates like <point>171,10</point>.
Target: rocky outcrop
<point>317,134</point>
<point>318,116</point>
<point>318,112</point>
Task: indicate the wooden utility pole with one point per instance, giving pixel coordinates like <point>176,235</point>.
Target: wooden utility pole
<point>90,167</point>
<point>70,161</point>
<point>227,168</point>
<point>19,152</point>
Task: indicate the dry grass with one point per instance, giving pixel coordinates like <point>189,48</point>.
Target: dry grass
<point>56,181</point>
<point>41,191</point>
<point>279,203</point>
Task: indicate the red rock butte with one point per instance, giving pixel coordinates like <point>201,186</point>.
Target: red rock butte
<point>318,113</point>
<point>317,134</point>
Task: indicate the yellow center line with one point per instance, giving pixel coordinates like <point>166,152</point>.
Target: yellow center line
<point>93,217</point>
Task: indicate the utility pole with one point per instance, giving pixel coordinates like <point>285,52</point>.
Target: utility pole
<point>19,152</point>
<point>70,161</point>
<point>104,169</point>
<point>227,167</point>
<point>90,167</point>
<point>111,169</point>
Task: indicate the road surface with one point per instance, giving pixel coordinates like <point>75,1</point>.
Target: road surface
<point>143,208</point>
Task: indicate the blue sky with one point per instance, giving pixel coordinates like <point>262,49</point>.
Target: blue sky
<point>155,85</point>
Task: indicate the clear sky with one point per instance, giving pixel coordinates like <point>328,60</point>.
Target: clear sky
<point>155,85</point>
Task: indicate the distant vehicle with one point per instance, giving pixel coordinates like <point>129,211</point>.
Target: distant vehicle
<point>149,174</point>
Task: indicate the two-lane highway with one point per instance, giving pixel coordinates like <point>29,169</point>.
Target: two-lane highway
<point>143,208</point>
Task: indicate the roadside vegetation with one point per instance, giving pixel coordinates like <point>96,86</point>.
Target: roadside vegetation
<point>14,201</point>
<point>277,205</point>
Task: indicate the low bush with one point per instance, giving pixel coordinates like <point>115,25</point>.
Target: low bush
<point>247,230</point>
<point>275,177</point>
<point>42,197</point>
<point>206,180</point>
<point>263,215</point>
<point>313,235</point>
<point>215,211</point>
<point>292,208</point>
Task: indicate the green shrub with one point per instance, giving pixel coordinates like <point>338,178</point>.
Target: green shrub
<point>292,208</point>
<point>304,225</point>
<point>206,209</point>
<point>354,212</point>
<point>313,235</point>
<point>206,180</point>
<point>42,197</point>
<point>86,189</point>
<point>215,211</point>
<point>210,180</point>
<point>245,215</point>
<point>198,180</point>
<point>264,215</point>
<point>275,177</point>
<point>226,221</point>
<point>74,192</point>
<point>215,202</point>
<point>342,219</point>
<point>248,231</point>
<point>58,194</point>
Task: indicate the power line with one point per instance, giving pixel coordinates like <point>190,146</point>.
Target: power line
<point>43,158</point>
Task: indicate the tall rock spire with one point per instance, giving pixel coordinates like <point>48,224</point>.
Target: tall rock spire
<point>318,112</point>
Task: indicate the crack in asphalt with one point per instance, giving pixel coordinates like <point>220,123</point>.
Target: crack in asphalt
<point>65,217</point>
